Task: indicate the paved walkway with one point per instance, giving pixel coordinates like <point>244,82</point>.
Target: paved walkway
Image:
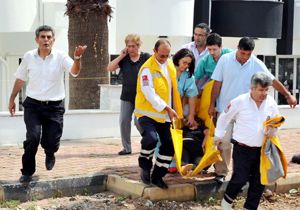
<point>91,156</point>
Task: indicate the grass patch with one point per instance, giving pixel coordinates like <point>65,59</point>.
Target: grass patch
<point>211,201</point>
<point>32,207</point>
<point>86,192</point>
<point>121,198</point>
<point>10,204</point>
<point>57,194</point>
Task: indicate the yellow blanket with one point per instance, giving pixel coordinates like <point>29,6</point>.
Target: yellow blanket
<point>211,154</point>
<point>273,164</point>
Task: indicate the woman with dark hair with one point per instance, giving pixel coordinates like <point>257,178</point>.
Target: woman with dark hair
<point>184,62</point>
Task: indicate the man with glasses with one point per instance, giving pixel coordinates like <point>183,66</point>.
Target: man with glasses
<point>198,46</point>
<point>157,103</point>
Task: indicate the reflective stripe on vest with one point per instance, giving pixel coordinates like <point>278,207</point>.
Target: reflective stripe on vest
<point>150,114</point>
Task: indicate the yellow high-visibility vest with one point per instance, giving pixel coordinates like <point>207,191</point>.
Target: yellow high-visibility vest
<point>142,106</point>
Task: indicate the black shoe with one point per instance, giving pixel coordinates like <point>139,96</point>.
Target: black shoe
<point>123,152</point>
<point>220,179</point>
<point>49,162</point>
<point>25,179</point>
<point>145,176</point>
<point>159,182</point>
<point>296,159</point>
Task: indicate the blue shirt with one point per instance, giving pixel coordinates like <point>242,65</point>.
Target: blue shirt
<point>235,78</point>
<point>186,85</point>
<point>207,65</point>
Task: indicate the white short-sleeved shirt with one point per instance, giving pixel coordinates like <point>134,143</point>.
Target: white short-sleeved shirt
<point>198,56</point>
<point>248,127</point>
<point>235,78</point>
<point>45,77</point>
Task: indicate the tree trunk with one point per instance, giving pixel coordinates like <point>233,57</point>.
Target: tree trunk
<point>90,30</point>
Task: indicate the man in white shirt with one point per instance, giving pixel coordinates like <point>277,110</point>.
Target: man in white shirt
<point>249,111</point>
<point>43,69</point>
<point>198,46</point>
<point>232,77</point>
<point>157,103</point>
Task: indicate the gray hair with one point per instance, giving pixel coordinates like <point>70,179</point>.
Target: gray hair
<point>44,28</point>
<point>261,78</point>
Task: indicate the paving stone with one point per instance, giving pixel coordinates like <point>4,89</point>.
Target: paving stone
<point>88,157</point>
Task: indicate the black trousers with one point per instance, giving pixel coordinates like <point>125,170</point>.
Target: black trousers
<point>246,162</point>
<point>153,130</point>
<point>192,151</point>
<point>44,124</point>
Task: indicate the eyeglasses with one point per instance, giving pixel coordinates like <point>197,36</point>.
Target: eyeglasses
<point>163,56</point>
<point>202,35</point>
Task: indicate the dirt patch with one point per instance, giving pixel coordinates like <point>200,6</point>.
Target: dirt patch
<point>111,201</point>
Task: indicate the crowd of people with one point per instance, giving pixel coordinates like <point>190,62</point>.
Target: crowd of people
<point>159,90</point>
<point>168,89</point>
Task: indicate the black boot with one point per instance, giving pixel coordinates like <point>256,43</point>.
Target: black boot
<point>145,176</point>
<point>159,182</point>
<point>50,162</point>
<point>157,175</point>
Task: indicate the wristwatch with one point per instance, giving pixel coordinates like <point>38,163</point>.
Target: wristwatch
<point>77,57</point>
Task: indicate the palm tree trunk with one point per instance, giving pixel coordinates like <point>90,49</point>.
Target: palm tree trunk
<point>89,28</point>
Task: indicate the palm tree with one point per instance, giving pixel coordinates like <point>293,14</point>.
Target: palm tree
<point>88,26</point>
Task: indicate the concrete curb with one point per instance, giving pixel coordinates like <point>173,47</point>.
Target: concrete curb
<point>284,185</point>
<point>95,183</point>
<point>68,186</point>
<point>124,186</point>
<point>187,192</point>
<point>207,189</point>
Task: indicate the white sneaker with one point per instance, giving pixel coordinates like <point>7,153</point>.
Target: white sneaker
<point>225,205</point>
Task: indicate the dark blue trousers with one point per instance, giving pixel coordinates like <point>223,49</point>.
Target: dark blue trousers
<point>152,131</point>
<point>44,124</point>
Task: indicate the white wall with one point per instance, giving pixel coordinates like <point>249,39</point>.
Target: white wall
<point>296,43</point>
<point>79,124</point>
<point>112,27</point>
<point>262,45</point>
<point>155,17</point>
<point>296,19</point>
<point>87,124</point>
<point>3,84</point>
<point>19,19</point>
<point>172,18</point>
<point>19,16</point>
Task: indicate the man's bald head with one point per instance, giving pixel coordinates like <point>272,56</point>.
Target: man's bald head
<point>162,49</point>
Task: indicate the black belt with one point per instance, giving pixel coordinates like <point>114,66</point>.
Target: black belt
<point>44,102</point>
<point>243,145</point>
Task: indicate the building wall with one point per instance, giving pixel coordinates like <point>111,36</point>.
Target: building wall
<point>94,124</point>
<point>172,18</point>
<point>150,19</point>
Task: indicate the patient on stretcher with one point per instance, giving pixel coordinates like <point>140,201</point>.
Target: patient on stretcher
<point>193,146</point>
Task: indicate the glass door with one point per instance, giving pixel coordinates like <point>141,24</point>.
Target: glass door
<point>297,82</point>
<point>285,76</point>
